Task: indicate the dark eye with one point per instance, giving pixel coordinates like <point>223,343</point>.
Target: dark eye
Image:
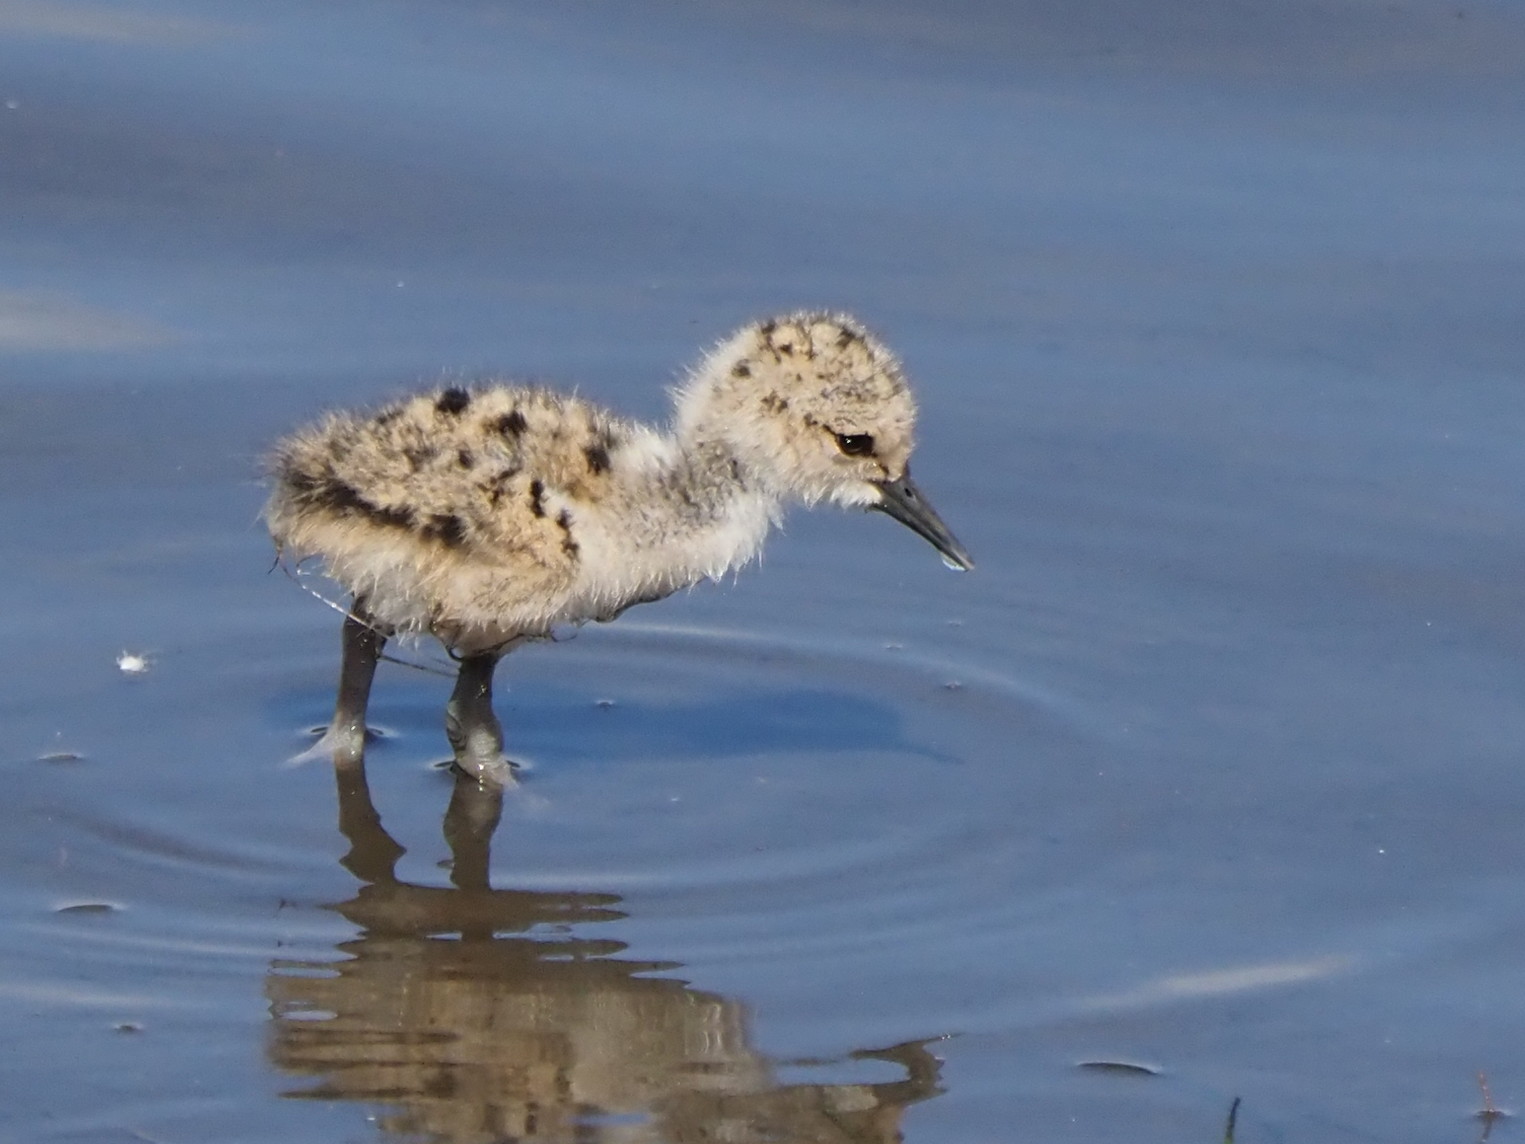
<point>855,444</point>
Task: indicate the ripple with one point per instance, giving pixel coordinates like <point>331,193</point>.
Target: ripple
<point>61,757</point>
<point>771,799</point>
<point>88,908</point>
<point>725,691</point>
<point>1120,1068</point>
<point>782,806</point>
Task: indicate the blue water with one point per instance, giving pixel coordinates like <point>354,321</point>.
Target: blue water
<point>1211,767</point>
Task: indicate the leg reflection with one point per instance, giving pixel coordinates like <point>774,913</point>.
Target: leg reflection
<point>373,853</point>
<point>468,1014</point>
<point>474,813</point>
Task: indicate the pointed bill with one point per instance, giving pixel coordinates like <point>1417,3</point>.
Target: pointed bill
<point>903,500</point>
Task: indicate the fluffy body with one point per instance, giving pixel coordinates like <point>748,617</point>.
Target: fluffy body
<point>487,515</point>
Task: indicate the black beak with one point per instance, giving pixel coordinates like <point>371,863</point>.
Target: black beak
<point>903,501</point>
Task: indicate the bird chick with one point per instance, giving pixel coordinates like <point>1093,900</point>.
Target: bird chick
<point>486,516</point>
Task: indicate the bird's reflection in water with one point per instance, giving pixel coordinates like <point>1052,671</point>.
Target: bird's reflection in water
<point>476,1015</point>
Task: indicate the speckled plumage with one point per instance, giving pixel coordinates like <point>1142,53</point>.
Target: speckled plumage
<point>489,514</point>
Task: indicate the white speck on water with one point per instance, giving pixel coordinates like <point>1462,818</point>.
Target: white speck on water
<point>132,663</point>
<point>12,104</point>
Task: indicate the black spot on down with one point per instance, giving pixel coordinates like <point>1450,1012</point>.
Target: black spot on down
<point>597,454</point>
<point>511,424</point>
<point>568,545</point>
<point>343,499</point>
<point>453,401</point>
<point>447,528</point>
<point>418,456</point>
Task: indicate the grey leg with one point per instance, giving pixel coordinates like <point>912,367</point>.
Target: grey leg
<point>473,729</point>
<point>362,648</point>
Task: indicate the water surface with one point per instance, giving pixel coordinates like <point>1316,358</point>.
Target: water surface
<point>1206,784</point>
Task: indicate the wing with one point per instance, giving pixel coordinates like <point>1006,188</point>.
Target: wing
<point>448,511</point>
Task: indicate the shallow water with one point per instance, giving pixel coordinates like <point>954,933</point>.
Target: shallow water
<point>1206,784</point>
